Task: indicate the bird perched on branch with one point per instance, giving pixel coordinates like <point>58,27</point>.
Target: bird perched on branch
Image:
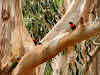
<point>72,25</point>
<point>14,64</point>
<point>36,41</point>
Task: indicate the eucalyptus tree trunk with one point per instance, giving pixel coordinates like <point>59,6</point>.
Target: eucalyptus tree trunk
<point>12,33</point>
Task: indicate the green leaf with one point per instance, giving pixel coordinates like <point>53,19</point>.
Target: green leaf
<point>52,10</point>
<point>86,43</point>
<point>72,72</point>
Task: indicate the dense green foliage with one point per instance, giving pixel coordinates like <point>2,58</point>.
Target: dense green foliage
<point>40,15</point>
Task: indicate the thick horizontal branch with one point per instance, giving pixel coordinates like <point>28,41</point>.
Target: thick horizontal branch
<point>46,51</point>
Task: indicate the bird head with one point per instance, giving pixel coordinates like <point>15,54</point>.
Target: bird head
<point>70,22</point>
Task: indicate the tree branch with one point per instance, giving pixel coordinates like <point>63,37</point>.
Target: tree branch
<point>46,51</point>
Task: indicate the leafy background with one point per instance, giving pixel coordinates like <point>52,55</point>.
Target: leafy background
<point>41,15</point>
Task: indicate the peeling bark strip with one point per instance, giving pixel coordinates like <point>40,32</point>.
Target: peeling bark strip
<point>5,10</point>
<point>2,41</point>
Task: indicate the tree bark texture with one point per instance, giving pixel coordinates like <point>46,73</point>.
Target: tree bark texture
<point>15,40</point>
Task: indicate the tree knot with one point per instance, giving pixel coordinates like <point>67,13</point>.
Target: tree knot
<point>5,14</point>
